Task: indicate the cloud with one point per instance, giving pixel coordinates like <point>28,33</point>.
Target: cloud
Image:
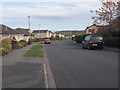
<point>49,0</point>
<point>52,13</point>
<point>50,17</point>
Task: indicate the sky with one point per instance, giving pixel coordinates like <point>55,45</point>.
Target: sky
<point>54,16</point>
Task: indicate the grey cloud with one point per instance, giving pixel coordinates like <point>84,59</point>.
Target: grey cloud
<point>50,17</point>
<point>68,5</point>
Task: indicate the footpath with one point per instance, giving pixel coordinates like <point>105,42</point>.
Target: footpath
<point>112,49</point>
<point>22,72</point>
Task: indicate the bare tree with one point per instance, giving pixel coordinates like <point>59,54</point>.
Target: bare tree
<point>106,13</point>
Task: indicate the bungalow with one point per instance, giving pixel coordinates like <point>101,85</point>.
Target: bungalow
<point>42,33</point>
<point>92,29</point>
<point>7,32</point>
<point>26,33</point>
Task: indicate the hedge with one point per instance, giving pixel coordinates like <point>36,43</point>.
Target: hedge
<point>79,38</point>
<point>112,42</point>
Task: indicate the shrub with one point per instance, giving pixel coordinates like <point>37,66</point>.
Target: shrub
<point>6,46</point>
<point>23,42</point>
<point>18,45</point>
<point>116,34</point>
<point>112,42</point>
<point>80,38</point>
<point>5,52</point>
<point>34,40</point>
<point>6,43</point>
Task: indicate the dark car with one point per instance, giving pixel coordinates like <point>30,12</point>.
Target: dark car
<point>47,41</point>
<point>93,41</point>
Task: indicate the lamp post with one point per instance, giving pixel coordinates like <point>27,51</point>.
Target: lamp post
<point>29,25</point>
<point>29,22</point>
<point>39,30</point>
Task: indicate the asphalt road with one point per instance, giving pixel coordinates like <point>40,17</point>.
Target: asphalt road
<point>74,67</point>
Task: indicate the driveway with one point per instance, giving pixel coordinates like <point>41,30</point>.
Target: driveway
<point>74,67</point>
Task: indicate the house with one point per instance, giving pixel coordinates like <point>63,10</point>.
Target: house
<point>92,29</point>
<point>7,32</point>
<point>26,33</point>
<point>69,33</point>
<point>42,33</point>
<point>53,34</point>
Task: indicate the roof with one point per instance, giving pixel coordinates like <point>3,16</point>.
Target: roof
<point>23,31</point>
<point>40,31</point>
<point>7,30</point>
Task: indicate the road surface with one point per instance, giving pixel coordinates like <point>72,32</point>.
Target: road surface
<point>74,67</point>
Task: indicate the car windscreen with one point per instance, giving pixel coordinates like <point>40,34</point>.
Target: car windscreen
<point>96,38</point>
<point>47,39</point>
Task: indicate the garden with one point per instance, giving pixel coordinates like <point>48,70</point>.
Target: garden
<point>6,45</point>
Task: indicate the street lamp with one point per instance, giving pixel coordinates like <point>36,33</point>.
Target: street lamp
<point>39,30</point>
<point>29,26</point>
<point>29,22</point>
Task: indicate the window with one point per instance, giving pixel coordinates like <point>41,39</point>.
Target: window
<point>87,38</point>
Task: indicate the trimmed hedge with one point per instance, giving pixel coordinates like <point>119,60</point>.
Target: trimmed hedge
<point>80,38</point>
<point>112,42</point>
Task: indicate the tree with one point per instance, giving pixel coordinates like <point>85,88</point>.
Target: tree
<point>106,13</point>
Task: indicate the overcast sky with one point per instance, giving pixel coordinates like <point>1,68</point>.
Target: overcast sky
<point>50,15</point>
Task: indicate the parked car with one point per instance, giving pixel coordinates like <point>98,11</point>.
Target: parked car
<point>93,41</point>
<point>47,41</point>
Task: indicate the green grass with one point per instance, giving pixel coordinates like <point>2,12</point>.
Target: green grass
<point>41,43</point>
<point>34,53</point>
<point>37,47</point>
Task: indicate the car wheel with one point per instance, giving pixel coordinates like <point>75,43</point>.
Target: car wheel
<point>101,47</point>
<point>83,47</point>
<point>89,48</point>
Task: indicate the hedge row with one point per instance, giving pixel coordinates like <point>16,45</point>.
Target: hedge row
<point>79,38</point>
<point>112,41</point>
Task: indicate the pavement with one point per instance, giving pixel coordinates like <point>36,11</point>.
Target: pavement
<point>22,72</point>
<point>112,49</point>
<point>74,67</point>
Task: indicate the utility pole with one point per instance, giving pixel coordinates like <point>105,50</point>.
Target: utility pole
<point>29,22</point>
<point>29,25</point>
<point>39,30</point>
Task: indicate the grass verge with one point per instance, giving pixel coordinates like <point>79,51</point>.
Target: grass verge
<point>37,47</point>
<point>41,43</point>
<point>34,53</point>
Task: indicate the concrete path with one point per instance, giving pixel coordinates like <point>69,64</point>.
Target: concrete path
<point>22,72</point>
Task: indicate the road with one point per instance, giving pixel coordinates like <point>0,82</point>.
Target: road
<point>74,67</point>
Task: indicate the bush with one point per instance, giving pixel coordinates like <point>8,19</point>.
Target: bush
<point>23,42</point>
<point>6,46</point>
<point>33,40</point>
<point>5,52</point>
<point>6,43</point>
<point>116,34</point>
<point>18,45</point>
<point>80,38</point>
<point>112,42</point>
